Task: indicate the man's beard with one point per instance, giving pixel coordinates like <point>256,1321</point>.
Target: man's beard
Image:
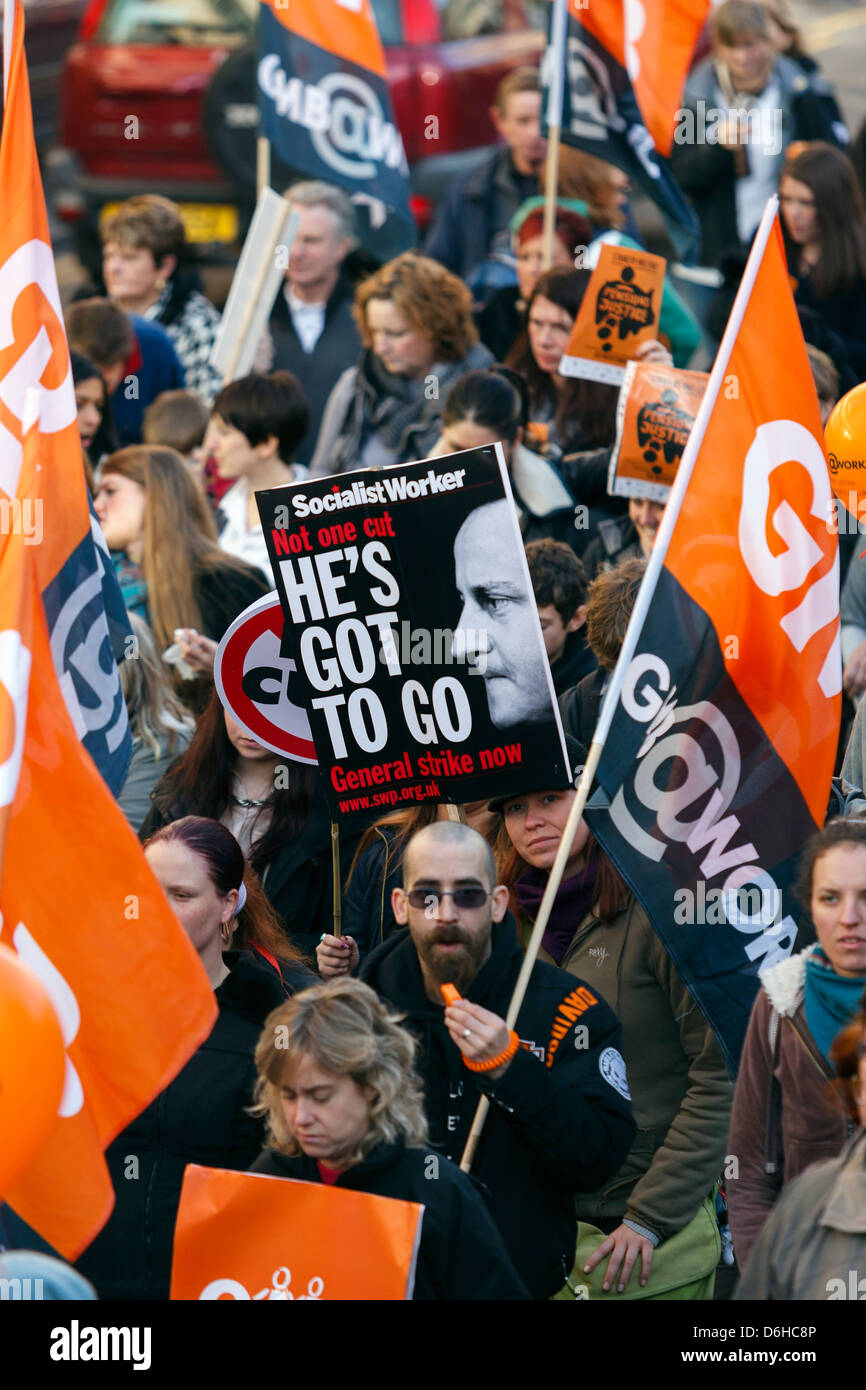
<point>452,967</point>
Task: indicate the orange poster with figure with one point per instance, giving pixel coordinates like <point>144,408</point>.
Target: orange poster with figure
<point>620,311</point>
<point>656,410</point>
<point>250,1236</point>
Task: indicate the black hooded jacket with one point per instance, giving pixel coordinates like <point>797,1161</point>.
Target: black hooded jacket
<point>461,1254</point>
<point>560,1119</point>
<point>577,661</point>
<point>200,1117</point>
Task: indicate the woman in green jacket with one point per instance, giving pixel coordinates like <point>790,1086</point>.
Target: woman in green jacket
<point>674,1069</point>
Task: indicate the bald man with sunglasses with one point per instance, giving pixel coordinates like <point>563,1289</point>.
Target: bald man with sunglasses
<point>560,1119</point>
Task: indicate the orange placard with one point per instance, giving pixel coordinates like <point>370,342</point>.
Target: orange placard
<point>620,310</point>
<point>656,410</point>
<point>250,1236</point>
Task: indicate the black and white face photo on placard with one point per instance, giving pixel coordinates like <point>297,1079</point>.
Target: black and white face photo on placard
<point>497,627</point>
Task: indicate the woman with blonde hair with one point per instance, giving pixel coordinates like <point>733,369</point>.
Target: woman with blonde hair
<point>343,1106</point>
<point>415,320</point>
<point>163,544</point>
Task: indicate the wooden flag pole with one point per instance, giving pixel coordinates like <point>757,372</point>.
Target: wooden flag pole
<point>338,890</point>
<point>633,631</point>
<point>555,58</point>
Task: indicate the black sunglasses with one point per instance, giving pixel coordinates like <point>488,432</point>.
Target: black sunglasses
<point>461,897</point>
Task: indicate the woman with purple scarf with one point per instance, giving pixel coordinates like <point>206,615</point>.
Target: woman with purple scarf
<point>674,1069</point>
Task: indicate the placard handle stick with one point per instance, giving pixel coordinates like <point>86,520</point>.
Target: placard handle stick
<point>550,892</point>
<point>454,812</point>
<point>263,273</point>
<point>335,862</point>
<point>263,163</point>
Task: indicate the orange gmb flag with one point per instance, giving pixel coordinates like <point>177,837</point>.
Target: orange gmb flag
<point>344,28</point>
<point>83,911</point>
<point>718,762</point>
<point>85,613</point>
<point>654,41</point>
<point>250,1236</point>
<point>756,510</point>
<point>33,349</point>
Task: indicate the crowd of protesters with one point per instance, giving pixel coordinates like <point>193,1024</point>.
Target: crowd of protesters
<point>604,1171</point>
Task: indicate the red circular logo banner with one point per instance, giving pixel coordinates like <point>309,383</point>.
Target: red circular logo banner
<point>253,682</point>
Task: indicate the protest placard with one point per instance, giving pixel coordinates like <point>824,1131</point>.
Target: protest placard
<point>619,312</point>
<point>409,610</point>
<point>254,681</point>
<point>251,1237</point>
<point>655,413</point>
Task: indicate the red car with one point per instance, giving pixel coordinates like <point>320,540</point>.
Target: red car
<point>159,97</point>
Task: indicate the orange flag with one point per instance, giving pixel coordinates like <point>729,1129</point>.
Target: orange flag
<point>250,1236</point>
<point>82,910</point>
<point>726,699</point>
<point>85,614</point>
<point>784,606</point>
<point>33,347</point>
<point>654,41</point>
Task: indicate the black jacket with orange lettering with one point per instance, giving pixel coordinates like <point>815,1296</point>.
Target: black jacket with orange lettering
<point>560,1120</point>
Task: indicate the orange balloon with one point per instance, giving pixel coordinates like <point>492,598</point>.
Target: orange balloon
<point>32,1066</point>
<point>845,437</point>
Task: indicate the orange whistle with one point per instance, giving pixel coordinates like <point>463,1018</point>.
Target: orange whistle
<point>450,993</point>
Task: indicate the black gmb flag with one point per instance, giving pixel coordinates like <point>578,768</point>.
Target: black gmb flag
<point>623,69</point>
<point>409,612</point>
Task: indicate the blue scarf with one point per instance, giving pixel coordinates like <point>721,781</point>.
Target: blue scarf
<point>831,1000</point>
<point>132,584</point>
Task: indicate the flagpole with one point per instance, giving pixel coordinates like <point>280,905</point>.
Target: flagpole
<point>642,602</point>
<point>8,30</point>
<point>555,59</point>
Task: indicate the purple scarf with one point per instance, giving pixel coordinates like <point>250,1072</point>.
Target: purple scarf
<point>570,906</point>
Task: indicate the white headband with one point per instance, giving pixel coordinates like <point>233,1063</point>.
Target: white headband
<point>242,899</point>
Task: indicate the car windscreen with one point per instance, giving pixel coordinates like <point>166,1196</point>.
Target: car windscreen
<point>188,23</point>
<point>201,23</point>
